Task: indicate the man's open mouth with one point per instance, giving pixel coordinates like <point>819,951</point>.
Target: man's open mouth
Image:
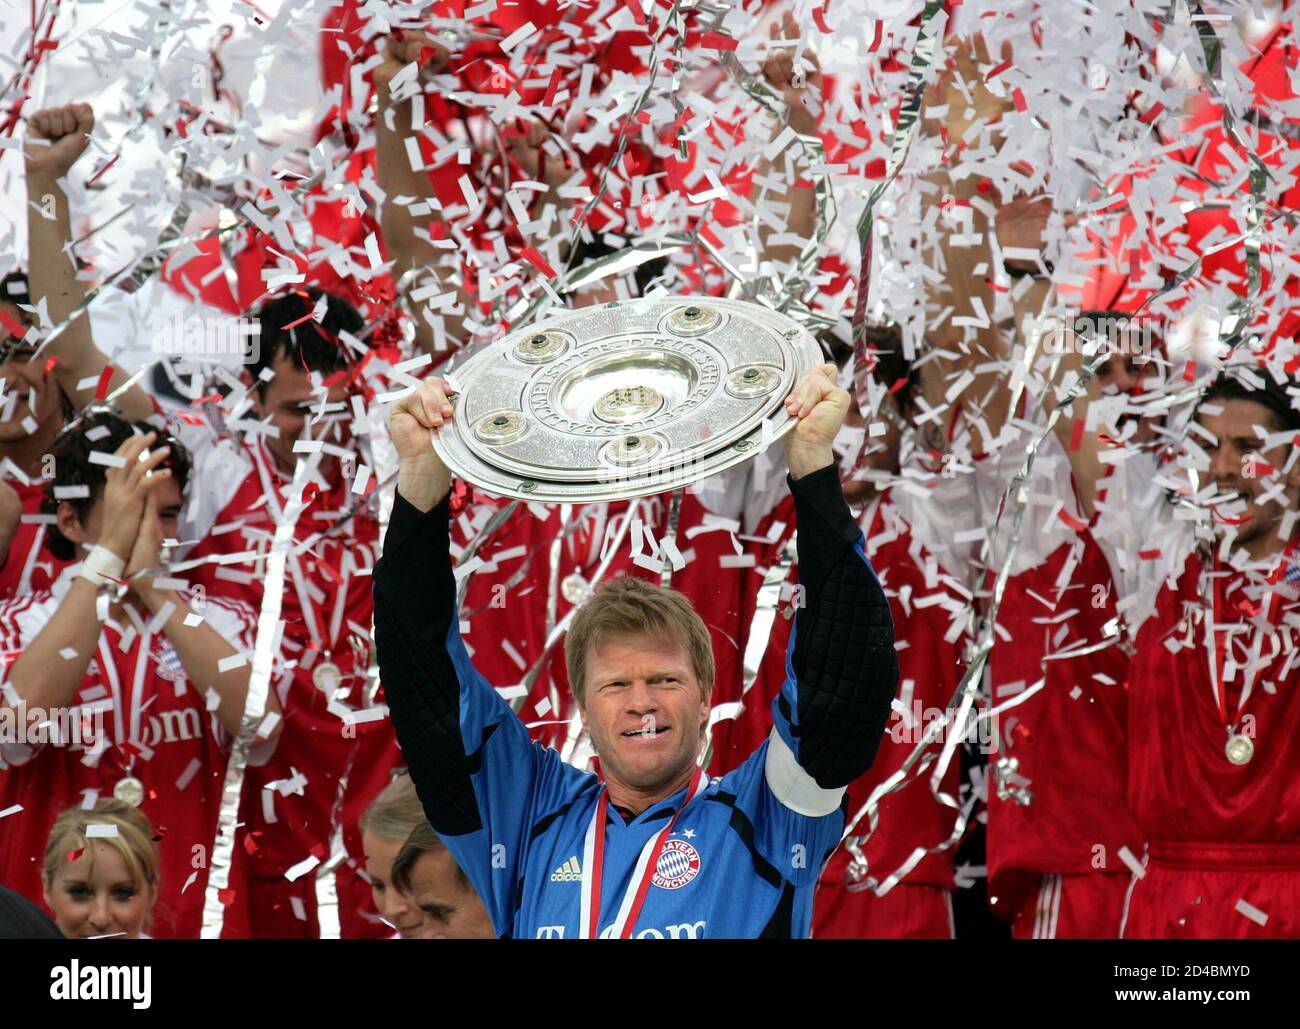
<point>647,733</point>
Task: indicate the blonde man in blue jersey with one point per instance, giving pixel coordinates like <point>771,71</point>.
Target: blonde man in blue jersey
<point>656,850</point>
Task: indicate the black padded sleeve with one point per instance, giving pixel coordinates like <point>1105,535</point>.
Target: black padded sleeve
<point>843,658</point>
<point>415,601</point>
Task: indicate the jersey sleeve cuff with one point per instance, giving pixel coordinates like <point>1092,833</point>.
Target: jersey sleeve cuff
<point>792,786</point>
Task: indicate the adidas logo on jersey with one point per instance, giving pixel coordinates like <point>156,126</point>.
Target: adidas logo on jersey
<point>569,872</point>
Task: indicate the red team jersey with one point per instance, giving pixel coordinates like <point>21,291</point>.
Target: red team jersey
<point>336,749</point>
<point>1067,740</point>
<point>155,728</point>
<point>1057,812</point>
<point>1224,853</point>
<point>1223,839</point>
<point>28,567</point>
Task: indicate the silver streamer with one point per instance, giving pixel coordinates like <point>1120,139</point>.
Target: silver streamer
<point>259,684</point>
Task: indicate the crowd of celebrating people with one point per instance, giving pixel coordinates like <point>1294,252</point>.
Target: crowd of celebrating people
<point>269,672</point>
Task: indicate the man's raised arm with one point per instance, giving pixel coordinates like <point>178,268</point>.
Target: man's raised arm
<point>477,773</point>
<point>55,139</point>
<point>406,233</point>
<point>415,610</point>
<point>842,669</point>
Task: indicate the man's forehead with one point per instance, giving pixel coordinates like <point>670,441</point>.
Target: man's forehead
<point>433,873</point>
<point>292,386</point>
<point>1236,416</point>
<point>288,377</point>
<point>639,653</point>
<point>167,496</point>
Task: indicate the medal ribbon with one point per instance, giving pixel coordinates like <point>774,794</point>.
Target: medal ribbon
<point>593,864</point>
<point>270,490</point>
<point>1216,653</point>
<point>1212,647</point>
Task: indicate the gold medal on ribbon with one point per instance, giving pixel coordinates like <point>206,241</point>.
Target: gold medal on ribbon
<point>327,677</point>
<point>129,790</point>
<point>1240,749</point>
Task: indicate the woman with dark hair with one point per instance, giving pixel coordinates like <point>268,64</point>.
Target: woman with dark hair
<point>426,872</point>
<point>117,682</point>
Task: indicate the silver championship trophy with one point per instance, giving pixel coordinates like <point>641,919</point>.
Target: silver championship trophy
<point>625,399</point>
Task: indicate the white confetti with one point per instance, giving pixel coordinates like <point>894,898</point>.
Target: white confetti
<point>187,776</point>
<point>465,568</point>
<point>736,561</point>
<point>268,723</point>
<point>513,654</point>
<point>302,868</point>
<point>160,618</point>
<point>372,253</point>
<point>1249,910</point>
<point>518,36</point>
<point>1135,866</point>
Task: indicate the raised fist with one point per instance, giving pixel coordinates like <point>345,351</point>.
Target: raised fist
<point>798,81</point>
<point>56,137</point>
<point>400,49</point>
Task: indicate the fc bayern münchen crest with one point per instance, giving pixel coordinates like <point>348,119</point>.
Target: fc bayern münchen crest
<point>168,662</point>
<point>677,865</point>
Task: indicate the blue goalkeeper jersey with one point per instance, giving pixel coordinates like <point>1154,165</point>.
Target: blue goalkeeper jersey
<point>738,863</point>
<point>740,858</point>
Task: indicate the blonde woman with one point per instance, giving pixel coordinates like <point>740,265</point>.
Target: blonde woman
<point>387,823</point>
<point>101,872</point>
